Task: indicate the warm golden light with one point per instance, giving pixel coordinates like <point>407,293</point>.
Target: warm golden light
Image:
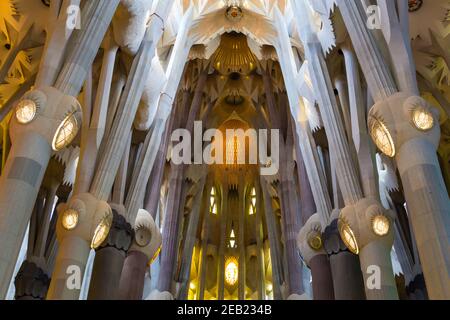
<point>252,209</point>
<point>382,137</point>
<point>26,111</point>
<point>70,219</point>
<point>102,231</point>
<point>66,132</point>
<point>380,225</point>
<point>231,271</point>
<point>348,237</point>
<point>212,202</point>
<point>155,256</point>
<point>423,119</point>
<point>315,241</point>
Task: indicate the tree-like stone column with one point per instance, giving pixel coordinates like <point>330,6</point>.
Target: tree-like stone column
<point>414,147</point>
<point>376,249</point>
<point>189,243</point>
<point>117,139</point>
<point>274,238</point>
<point>32,143</point>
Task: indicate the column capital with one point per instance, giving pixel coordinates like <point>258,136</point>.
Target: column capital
<point>332,241</point>
<point>31,282</point>
<point>309,239</point>
<point>147,237</point>
<point>44,111</point>
<point>401,118</point>
<point>121,233</point>
<point>85,217</point>
<point>364,223</point>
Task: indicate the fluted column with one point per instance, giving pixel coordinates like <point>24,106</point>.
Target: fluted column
<point>94,131</point>
<point>224,212</point>
<point>376,71</point>
<point>359,133</point>
<point>242,279</point>
<point>291,225</point>
<point>169,233</point>
<point>275,249</point>
<point>55,45</point>
<point>414,150</point>
<point>32,143</point>
<point>96,17</point>
<point>190,240</point>
<point>116,142</point>
<point>261,279</point>
<point>373,249</point>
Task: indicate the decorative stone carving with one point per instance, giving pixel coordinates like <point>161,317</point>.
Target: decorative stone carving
<point>31,282</point>
<point>121,234</point>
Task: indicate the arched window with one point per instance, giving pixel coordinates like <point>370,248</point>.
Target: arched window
<point>252,208</point>
<point>213,201</point>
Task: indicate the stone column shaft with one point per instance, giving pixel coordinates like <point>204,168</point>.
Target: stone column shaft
<point>376,71</point>
<point>95,127</point>
<point>260,245</point>
<point>425,191</point>
<point>133,275</point>
<point>224,212</point>
<point>304,136</point>
<point>55,45</point>
<point>116,142</point>
<point>291,226</point>
<point>322,280</point>
<point>169,233</point>
<point>360,135</point>
<point>96,17</point>
<point>275,249</point>
<point>189,244</point>
<point>241,241</point>
<point>31,149</point>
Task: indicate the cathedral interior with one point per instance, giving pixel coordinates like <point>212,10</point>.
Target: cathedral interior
<point>120,180</point>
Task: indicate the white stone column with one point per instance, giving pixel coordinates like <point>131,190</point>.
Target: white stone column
<point>345,170</point>
<point>275,249</point>
<point>55,45</point>
<point>359,133</point>
<point>307,145</point>
<point>94,131</point>
<point>414,149</point>
<point>191,236</point>
<point>96,17</point>
<point>117,139</point>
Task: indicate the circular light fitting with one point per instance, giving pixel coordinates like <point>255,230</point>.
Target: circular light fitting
<point>382,137</point>
<point>423,119</point>
<point>380,225</point>
<point>348,237</point>
<point>66,132</point>
<point>70,219</point>
<point>102,231</point>
<point>26,111</point>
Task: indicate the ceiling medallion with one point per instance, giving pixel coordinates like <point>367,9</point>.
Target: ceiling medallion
<point>234,13</point>
<point>414,5</point>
